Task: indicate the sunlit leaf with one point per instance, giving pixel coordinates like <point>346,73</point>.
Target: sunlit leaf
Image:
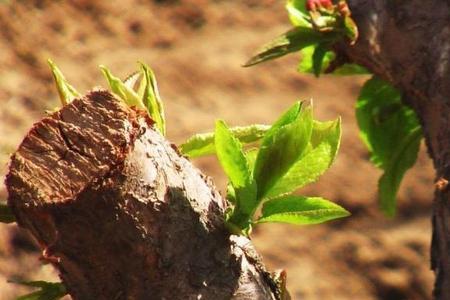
<point>152,99</point>
<point>300,210</point>
<point>203,143</point>
<point>66,92</point>
<point>251,156</point>
<point>281,147</point>
<point>235,165</point>
<point>318,157</point>
<point>231,156</point>
<point>118,87</point>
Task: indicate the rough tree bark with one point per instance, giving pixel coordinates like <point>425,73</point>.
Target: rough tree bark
<point>122,215</point>
<point>408,44</point>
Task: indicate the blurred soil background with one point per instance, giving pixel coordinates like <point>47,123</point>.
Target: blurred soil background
<point>196,48</point>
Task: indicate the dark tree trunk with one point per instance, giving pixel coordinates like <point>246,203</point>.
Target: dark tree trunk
<point>122,215</point>
<point>408,44</point>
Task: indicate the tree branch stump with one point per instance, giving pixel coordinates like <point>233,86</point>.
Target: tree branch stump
<point>122,215</point>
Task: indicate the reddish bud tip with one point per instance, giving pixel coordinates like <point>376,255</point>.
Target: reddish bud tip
<point>313,5</point>
<point>343,9</point>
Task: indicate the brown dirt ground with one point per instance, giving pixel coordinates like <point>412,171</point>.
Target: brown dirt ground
<point>196,48</point>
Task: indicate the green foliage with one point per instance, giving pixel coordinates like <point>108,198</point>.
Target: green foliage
<point>318,157</point>
<point>123,91</point>
<point>203,143</point>
<point>392,134</point>
<point>291,41</point>
<point>143,95</point>
<point>318,28</point>
<point>390,129</point>
<point>139,90</point>
<point>234,162</point>
<point>231,156</point>
<point>317,58</point>
<point>317,63</point>
<point>6,215</point>
<point>300,210</point>
<point>47,291</point>
<point>281,147</point>
<point>66,92</point>
<point>149,94</point>
<point>294,151</point>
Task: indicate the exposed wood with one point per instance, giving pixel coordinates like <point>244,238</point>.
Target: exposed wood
<point>122,215</point>
<point>408,44</point>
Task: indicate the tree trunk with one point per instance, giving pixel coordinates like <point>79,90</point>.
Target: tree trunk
<point>122,215</point>
<point>408,44</point>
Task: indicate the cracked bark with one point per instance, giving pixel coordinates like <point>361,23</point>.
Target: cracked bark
<point>122,215</point>
<point>408,44</point>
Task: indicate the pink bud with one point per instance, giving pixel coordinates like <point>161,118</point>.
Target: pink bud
<point>313,5</point>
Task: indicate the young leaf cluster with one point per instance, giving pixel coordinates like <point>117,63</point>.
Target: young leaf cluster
<point>293,152</point>
<point>139,90</point>
<point>388,128</point>
<point>317,26</point>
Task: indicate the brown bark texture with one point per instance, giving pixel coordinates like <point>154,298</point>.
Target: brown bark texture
<point>122,215</point>
<point>408,44</point>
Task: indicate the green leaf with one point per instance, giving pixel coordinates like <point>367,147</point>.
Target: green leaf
<point>298,14</point>
<point>203,144</point>
<point>251,156</point>
<point>152,99</point>
<point>122,90</point>
<point>6,215</point>
<point>66,92</point>
<point>286,118</point>
<point>306,64</point>
<point>403,158</point>
<point>318,57</point>
<point>300,210</point>
<point>233,161</point>
<point>48,290</point>
<point>231,156</point>
<point>291,41</point>
<point>318,157</point>
<point>281,147</point>
<point>392,134</point>
<point>383,119</point>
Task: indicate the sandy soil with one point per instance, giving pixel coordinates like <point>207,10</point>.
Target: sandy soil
<point>196,48</point>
